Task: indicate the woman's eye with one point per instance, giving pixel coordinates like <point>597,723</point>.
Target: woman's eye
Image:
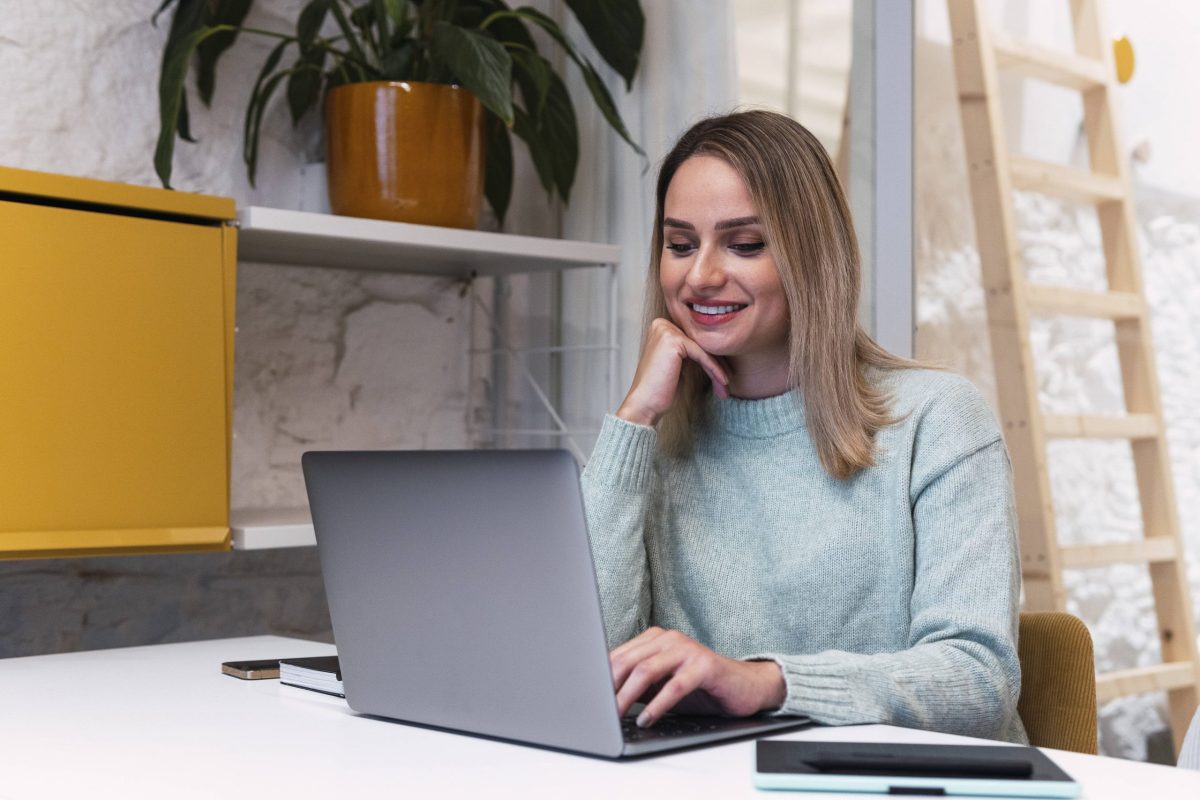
<point>747,248</point>
<point>680,248</point>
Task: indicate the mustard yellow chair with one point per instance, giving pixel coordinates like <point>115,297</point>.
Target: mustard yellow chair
<point>1058,682</point>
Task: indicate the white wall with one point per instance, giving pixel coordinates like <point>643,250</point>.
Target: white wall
<point>816,36</point>
<point>1155,106</point>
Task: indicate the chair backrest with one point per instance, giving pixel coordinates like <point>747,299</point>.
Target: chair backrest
<point>1189,754</point>
<point>1058,682</point>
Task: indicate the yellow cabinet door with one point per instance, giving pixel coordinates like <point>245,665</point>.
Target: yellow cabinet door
<point>115,355</point>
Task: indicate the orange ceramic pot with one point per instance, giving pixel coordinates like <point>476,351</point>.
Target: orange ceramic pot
<point>405,151</point>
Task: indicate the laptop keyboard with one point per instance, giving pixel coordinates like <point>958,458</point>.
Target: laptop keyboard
<point>674,726</point>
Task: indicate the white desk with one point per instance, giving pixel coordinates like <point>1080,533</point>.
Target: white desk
<point>163,722</point>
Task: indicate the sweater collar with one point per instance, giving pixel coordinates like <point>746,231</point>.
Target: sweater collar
<point>770,416</point>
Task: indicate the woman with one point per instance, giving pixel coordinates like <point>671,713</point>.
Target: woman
<point>785,517</point>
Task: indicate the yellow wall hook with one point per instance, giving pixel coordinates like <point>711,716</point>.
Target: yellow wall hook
<point>1123,55</point>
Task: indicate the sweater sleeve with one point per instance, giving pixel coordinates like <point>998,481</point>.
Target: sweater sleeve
<point>960,673</point>
<point>616,487</point>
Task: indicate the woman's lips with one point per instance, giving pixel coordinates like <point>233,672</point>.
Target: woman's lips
<point>708,319</point>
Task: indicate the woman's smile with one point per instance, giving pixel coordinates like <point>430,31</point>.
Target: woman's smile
<point>714,312</point>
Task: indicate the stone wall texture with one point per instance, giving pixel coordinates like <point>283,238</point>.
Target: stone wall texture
<point>1092,483</point>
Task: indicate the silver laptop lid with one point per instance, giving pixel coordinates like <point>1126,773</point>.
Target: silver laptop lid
<point>462,592</point>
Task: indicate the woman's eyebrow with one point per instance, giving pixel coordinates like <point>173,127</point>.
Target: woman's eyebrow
<point>724,224</point>
<point>737,222</point>
<point>678,223</point>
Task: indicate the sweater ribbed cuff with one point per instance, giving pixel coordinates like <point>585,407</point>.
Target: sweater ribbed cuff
<point>624,455</point>
<point>817,687</point>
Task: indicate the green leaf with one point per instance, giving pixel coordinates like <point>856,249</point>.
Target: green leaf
<point>480,63</point>
<point>439,10</point>
<point>508,28</point>
<point>593,82</point>
<point>606,105</point>
<point>560,135</point>
<point>498,166</point>
<point>397,11</point>
<point>397,64</point>
<point>470,13</point>
<point>176,57</point>
<point>254,110</point>
<point>185,123</point>
<point>551,130</point>
<point>363,18</point>
<point>616,29</point>
<point>532,73</point>
<point>352,39</point>
<point>545,23</point>
<point>304,85</point>
<point>312,17</point>
<point>257,109</point>
<point>524,127</point>
<point>189,17</point>
<point>221,12</point>
<point>154,17</point>
<point>380,12</point>
<point>402,34</point>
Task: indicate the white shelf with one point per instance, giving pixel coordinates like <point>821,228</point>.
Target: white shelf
<point>263,529</point>
<point>303,238</point>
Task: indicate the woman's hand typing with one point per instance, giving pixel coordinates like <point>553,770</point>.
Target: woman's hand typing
<point>657,378</point>
<point>670,670</point>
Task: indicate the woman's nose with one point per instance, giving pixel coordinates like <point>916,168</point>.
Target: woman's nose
<point>707,271</point>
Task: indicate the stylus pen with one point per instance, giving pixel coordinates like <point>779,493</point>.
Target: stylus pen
<point>927,765</point>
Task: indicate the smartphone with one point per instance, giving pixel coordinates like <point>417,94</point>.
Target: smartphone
<point>252,670</point>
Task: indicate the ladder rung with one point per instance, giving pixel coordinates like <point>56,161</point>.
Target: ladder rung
<point>1079,426</point>
<point>1075,303</point>
<point>1142,551</point>
<point>1065,69</point>
<point>1160,677</point>
<point>1065,182</point>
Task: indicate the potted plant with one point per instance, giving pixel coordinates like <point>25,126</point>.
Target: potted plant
<point>357,56</point>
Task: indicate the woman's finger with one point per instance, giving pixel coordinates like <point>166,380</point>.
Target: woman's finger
<point>683,682</point>
<point>715,371</point>
<point>648,635</point>
<point>653,632</point>
<point>623,663</point>
<point>645,675</point>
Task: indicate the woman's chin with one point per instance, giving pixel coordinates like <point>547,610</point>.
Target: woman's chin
<point>714,344</point>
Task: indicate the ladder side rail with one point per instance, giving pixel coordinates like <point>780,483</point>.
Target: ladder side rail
<point>1004,288</point>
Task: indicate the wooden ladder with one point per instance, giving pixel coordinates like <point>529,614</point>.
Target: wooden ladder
<point>994,173</point>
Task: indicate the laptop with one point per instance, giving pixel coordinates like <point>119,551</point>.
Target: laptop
<point>463,597</point>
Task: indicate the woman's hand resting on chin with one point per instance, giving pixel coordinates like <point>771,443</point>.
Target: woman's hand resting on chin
<point>657,378</point>
<point>669,670</point>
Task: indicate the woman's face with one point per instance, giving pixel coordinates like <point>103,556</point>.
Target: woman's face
<point>717,273</point>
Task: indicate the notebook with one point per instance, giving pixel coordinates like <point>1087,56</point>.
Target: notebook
<point>319,673</point>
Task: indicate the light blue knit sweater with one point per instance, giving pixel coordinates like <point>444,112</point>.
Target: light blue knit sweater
<point>889,597</point>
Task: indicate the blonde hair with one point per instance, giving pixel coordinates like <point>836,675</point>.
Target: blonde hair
<point>809,231</point>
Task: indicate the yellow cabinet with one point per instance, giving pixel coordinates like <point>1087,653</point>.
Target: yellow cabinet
<point>116,358</point>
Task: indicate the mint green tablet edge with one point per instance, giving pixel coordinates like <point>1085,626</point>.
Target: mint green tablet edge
<point>875,784</point>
